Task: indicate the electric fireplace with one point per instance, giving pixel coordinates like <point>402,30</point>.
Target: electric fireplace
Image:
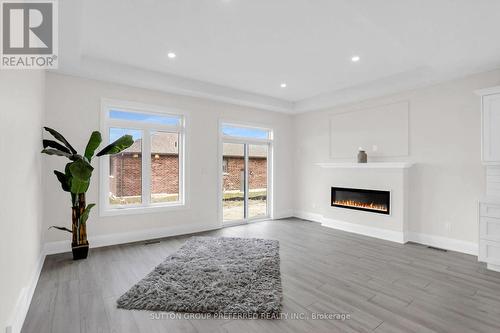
<point>374,201</point>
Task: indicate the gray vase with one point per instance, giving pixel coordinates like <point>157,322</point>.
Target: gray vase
<point>362,157</point>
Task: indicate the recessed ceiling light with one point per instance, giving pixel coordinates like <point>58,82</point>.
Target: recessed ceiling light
<point>171,55</point>
<point>355,58</point>
<point>283,85</point>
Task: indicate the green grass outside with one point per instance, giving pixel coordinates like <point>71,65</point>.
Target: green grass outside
<point>239,195</point>
<point>173,197</point>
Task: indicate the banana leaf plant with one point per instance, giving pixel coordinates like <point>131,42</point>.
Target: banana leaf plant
<point>75,179</point>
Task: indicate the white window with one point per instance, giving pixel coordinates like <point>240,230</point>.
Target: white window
<point>148,175</point>
<point>246,178</point>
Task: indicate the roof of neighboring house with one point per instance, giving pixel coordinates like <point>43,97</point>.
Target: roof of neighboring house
<point>161,143</point>
<point>167,143</point>
<point>236,150</point>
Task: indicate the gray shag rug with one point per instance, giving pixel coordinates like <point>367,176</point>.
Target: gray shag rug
<point>213,275</point>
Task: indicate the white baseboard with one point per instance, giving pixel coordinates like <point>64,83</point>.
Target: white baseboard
<point>394,236</point>
<point>390,235</point>
<point>492,267</point>
<point>444,243</point>
<point>139,235</point>
<point>22,306</point>
<point>314,217</point>
<point>283,215</point>
<point>128,237</point>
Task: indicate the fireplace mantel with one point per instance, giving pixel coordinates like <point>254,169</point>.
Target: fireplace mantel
<point>390,177</point>
<point>373,165</point>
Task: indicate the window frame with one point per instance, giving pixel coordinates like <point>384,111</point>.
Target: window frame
<point>270,135</point>
<point>146,206</point>
<point>225,166</point>
<point>270,141</point>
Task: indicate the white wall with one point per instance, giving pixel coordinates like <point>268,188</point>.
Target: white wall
<point>444,141</point>
<point>73,107</point>
<point>21,112</point>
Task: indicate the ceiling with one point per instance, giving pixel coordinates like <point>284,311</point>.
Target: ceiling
<point>240,51</point>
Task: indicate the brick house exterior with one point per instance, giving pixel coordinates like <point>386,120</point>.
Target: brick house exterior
<point>234,164</point>
<point>233,172</point>
<point>126,173</point>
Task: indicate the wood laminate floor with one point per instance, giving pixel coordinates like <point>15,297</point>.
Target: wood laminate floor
<point>382,286</point>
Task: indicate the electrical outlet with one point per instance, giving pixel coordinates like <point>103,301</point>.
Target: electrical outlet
<point>375,148</point>
<point>447,225</point>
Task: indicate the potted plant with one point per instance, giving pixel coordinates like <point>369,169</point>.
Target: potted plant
<point>76,180</point>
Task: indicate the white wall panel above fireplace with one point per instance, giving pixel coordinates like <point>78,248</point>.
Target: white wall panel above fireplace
<point>382,131</point>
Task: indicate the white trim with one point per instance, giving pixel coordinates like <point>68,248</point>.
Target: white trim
<point>488,91</point>
<point>248,125</point>
<point>371,165</point>
<point>135,210</point>
<point>145,170</point>
<point>395,236</point>
<point>129,237</point>
<point>246,179</point>
<point>234,139</point>
<point>492,267</point>
<point>283,215</point>
<point>270,178</point>
<point>444,243</point>
<point>390,235</point>
<point>15,323</point>
<point>236,223</point>
<point>119,73</point>
<point>270,166</point>
<point>105,123</point>
<point>419,78</point>
<point>139,236</point>
<point>313,217</point>
<point>140,107</point>
<point>110,71</point>
<point>143,235</point>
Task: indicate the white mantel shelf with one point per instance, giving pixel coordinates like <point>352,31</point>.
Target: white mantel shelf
<point>374,165</point>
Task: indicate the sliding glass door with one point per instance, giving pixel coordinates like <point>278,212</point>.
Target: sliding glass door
<point>257,166</point>
<point>234,181</point>
<point>245,185</point>
<point>245,172</point>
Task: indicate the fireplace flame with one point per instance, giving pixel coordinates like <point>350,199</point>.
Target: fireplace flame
<point>352,203</point>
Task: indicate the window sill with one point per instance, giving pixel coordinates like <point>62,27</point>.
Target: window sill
<point>142,210</point>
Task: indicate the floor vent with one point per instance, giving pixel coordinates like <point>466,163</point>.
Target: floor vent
<point>437,249</point>
<point>152,242</point>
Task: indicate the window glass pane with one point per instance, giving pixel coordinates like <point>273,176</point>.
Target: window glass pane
<point>164,167</point>
<point>245,132</point>
<point>233,186</point>
<point>257,180</point>
<point>145,117</point>
<point>125,170</point>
